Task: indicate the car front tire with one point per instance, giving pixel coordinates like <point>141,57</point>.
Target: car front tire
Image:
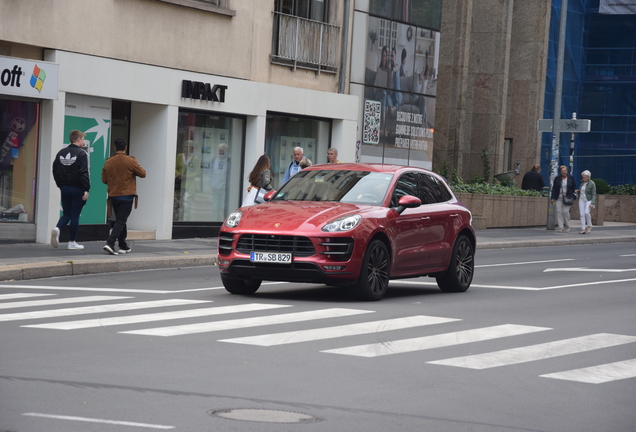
<point>374,274</point>
<point>459,275</point>
<point>240,286</point>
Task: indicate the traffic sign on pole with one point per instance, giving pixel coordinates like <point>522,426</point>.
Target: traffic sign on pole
<point>565,125</point>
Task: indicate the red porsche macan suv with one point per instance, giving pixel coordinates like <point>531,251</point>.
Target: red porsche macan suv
<point>353,225</point>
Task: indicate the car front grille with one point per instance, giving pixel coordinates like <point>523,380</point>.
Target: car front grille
<point>298,246</point>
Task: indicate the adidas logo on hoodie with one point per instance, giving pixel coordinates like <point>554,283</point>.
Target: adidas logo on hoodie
<point>68,160</point>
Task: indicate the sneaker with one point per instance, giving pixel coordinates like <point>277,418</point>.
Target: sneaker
<point>75,246</point>
<point>55,237</point>
<point>567,229</point>
<point>110,250</point>
<point>125,250</point>
<point>588,229</point>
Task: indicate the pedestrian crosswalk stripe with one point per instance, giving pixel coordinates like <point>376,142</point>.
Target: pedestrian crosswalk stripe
<point>160,316</point>
<point>33,303</point>
<point>21,295</point>
<point>339,331</point>
<point>248,322</point>
<point>598,374</point>
<point>95,309</point>
<point>537,352</point>
<point>436,341</point>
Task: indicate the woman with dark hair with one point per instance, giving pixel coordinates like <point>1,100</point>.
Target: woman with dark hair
<point>260,181</point>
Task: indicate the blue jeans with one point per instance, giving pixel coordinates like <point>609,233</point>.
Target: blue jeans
<point>122,209</point>
<point>72,204</point>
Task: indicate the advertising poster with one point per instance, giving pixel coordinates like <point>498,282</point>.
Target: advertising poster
<point>399,97</point>
<point>91,115</point>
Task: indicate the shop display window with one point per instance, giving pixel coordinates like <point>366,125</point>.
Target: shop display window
<point>208,167</point>
<point>284,133</point>
<point>19,123</point>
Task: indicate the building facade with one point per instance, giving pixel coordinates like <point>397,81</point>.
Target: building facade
<point>199,89</point>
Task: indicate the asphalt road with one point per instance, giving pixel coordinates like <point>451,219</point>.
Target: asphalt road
<point>544,340</point>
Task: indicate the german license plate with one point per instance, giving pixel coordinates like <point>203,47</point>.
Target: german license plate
<point>270,257</point>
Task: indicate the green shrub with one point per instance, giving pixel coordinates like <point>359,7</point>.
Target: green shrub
<point>490,189</point>
<point>602,187</point>
<point>628,189</point>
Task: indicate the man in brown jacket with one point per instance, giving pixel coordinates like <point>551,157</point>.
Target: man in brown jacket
<point>119,173</point>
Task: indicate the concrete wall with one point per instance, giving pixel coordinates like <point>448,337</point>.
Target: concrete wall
<point>504,211</point>
<point>491,84</point>
<point>158,33</point>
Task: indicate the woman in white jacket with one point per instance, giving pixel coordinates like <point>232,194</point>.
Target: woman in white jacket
<point>587,199</point>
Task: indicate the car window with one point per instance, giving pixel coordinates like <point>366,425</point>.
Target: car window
<point>406,185</point>
<point>348,186</point>
<point>427,192</point>
<point>436,188</point>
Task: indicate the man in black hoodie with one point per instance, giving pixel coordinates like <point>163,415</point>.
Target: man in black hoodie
<point>70,171</point>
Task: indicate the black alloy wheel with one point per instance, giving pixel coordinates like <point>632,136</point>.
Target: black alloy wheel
<point>459,275</point>
<point>374,274</point>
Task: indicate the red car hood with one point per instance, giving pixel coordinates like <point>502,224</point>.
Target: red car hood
<point>295,215</point>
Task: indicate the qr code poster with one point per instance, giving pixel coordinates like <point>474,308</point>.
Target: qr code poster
<point>371,129</point>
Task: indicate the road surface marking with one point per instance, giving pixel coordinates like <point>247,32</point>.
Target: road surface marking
<point>32,303</point>
<point>21,295</point>
<point>161,316</point>
<point>62,288</point>
<point>96,309</point>
<point>248,322</point>
<point>583,269</point>
<point>94,420</point>
<point>523,263</point>
<point>436,341</point>
<point>598,374</point>
<point>537,352</point>
<point>518,287</point>
<point>339,331</point>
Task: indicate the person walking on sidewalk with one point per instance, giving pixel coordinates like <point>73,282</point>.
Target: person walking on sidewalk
<point>587,199</point>
<point>71,174</point>
<point>562,191</point>
<point>119,173</point>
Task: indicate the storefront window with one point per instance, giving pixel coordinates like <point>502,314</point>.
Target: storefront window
<point>208,167</point>
<point>284,133</point>
<point>18,155</point>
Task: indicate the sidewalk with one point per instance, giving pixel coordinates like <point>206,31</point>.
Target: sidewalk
<point>24,261</point>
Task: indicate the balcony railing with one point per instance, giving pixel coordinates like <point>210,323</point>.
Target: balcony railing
<point>306,44</point>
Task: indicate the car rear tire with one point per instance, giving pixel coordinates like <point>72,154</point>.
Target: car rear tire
<point>374,274</point>
<point>459,275</point>
<point>240,286</point>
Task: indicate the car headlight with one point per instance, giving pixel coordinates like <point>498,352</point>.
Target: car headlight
<point>233,220</point>
<point>346,223</point>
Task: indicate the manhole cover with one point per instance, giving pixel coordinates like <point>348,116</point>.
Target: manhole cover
<point>264,415</point>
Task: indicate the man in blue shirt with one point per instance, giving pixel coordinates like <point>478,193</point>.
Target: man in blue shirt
<point>294,166</point>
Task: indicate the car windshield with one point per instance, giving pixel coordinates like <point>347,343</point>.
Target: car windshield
<point>355,187</point>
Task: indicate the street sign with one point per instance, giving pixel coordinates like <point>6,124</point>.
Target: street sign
<point>565,125</point>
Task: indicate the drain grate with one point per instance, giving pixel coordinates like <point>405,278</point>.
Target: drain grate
<point>264,415</point>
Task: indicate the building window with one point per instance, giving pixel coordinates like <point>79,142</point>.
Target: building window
<point>208,167</point>
<point>19,129</point>
<point>302,38</point>
<point>217,6</point>
<point>283,134</point>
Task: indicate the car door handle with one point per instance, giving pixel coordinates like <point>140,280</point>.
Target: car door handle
<point>426,218</point>
<point>454,215</point>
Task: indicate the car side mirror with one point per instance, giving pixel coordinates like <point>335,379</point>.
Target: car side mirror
<point>269,195</point>
<point>408,201</point>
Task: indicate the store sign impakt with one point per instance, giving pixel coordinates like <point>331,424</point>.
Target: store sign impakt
<point>28,78</point>
<point>203,91</point>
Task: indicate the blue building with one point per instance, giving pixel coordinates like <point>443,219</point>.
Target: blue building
<point>599,83</point>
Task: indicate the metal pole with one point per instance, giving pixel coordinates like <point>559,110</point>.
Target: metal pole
<point>572,148</point>
<point>558,92</point>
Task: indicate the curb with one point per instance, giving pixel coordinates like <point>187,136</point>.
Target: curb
<point>545,242</point>
<point>82,267</point>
